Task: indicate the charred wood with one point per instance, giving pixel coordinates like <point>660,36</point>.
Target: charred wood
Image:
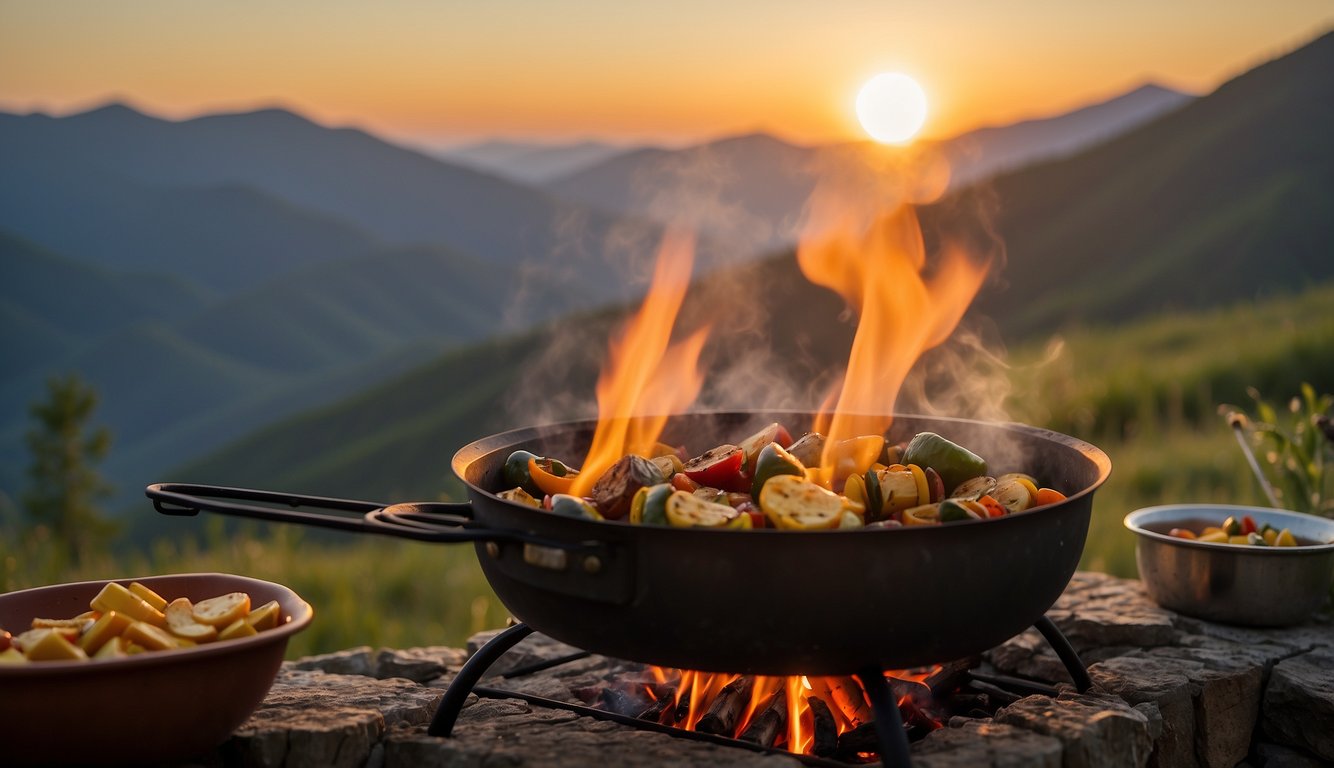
<point>725,712</point>
<point>682,712</point>
<point>656,711</point>
<point>999,696</point>
<point>765,727</point>
<point>950,675</point>
<point>825,729</point>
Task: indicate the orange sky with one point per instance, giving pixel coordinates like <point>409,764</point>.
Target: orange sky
<point>441,72</point>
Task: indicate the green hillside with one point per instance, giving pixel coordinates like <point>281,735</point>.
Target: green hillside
<point>1225,199</point>
<point>51,303</point>
<point>353,310</point>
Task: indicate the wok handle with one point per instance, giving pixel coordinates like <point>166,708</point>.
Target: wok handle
<point>433,522</point>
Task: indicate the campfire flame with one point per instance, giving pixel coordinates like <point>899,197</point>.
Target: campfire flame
<point>646,377</point>
<point>864,242</point>
<point>861,239</point>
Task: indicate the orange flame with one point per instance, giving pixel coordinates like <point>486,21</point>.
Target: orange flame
<point>646,378</point>
<point>847,702</point>
<point>874,256</point>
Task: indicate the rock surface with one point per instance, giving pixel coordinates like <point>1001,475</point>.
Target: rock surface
<point>1169,691</point>
<point>1299,702</point>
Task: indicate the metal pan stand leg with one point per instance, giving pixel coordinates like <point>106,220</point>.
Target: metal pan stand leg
<point>457,693</point>
<point>888,722</point>
<point>1078,672</point>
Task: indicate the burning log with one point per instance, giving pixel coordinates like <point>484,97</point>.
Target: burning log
<point>765,727</point>
<point>825,729</point>
<point>915,719</point>
<point>657,710</point>
<point>682,711</point>
<point>725,712</point>
<point>948,676</point>
<point>847,695</point>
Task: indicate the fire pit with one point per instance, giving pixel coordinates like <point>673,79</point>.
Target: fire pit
<point>687,598</point>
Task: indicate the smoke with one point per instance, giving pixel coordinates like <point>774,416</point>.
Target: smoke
<point>771,347</point>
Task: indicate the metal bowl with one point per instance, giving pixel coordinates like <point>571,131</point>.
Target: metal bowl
<point>162,706</point>
<point>1230,583</point>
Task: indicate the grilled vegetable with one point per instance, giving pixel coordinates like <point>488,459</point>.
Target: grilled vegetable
<point>616,489</point>
<point>793,503</point>
<point>751,446</point>
<point>668,464</point>
<point>808,449</point>
<point>550,476</point>
<point>925,514</point>
<point>649,506</point>
<point>520,496</point>
<point>974,488</point>
<point>870,486</point>
<point>685,510</point>
<point>771,461</point>
<point>1016,494</point>
<point>951,510</point>
<point>536,475</point>
<point>1048,496</point>
<point>719,467</point>
<point>954,462</point>
<point>515,472</point>
<point>573,506</point>
<point>899,490</point>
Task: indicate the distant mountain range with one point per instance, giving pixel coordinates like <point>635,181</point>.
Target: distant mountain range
<point>1222,201</point>
<point>530,163</point>
<point>230,268</point>
<point>760,183</point>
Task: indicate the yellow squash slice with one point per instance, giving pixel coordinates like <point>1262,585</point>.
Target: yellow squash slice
<point>796,504</point>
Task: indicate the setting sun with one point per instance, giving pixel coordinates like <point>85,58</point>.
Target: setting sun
<point>891,107</point>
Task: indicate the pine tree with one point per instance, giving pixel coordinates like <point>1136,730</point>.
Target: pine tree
<point>64,484</point>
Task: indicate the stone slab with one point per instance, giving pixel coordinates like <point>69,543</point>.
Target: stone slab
<point>1299,703</point>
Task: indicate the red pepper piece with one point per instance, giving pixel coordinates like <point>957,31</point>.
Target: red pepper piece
<point>719,467</point>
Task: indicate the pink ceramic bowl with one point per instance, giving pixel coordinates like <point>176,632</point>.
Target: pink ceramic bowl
<point>146,708</point>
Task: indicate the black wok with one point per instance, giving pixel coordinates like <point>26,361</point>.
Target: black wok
<point>763,602</point>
